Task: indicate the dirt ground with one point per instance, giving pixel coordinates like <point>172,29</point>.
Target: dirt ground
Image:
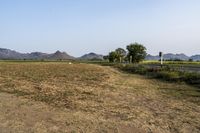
<point>22,115</point>
<point>100,100</point>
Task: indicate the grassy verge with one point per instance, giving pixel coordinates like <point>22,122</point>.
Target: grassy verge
<point>167,73</point>
<point>172,62</point>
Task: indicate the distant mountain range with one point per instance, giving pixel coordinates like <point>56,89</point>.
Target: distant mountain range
<point>171,56</point>
<point>11,54</point>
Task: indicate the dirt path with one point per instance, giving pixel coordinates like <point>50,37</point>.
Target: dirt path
<point>121,103</point>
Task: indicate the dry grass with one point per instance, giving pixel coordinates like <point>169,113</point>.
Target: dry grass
<point>104,99</point>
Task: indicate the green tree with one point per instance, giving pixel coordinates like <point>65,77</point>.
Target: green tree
<point>106,57</point>
<point>112,56</point>
<point>121,53</point>
<point>190,60</point>
<point>136,52</point>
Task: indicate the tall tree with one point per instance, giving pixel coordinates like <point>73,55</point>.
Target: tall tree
<point>112,56</point>
<point>106,57</point>
<point>121,53</point>
<point>136,52</point>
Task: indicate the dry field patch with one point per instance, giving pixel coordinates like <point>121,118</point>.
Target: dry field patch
<point>91,98</point>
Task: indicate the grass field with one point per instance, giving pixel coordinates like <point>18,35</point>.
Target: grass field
<point>92,98</point>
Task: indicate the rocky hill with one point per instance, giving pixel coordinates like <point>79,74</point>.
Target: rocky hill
<point>11,54</point>
<point>91,56</point>
<point>60,55</point>
<point>195,57</point>
<point>171,56</point>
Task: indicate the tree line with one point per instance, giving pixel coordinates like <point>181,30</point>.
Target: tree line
<point>135,53</point>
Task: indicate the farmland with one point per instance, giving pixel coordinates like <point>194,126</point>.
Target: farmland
<point>63,97</point>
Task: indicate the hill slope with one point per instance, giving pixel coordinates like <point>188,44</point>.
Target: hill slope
<point>170,56</point>
<point>11,54</point>
<point>91,56</point>
<point>195,57</point>
<point>60,55</point>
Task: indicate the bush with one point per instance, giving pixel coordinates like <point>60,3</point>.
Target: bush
<point>169,76</point>
<point>166,73</point>
<point>191,78</point>
<point>139,69</point>
<point>154,69</point>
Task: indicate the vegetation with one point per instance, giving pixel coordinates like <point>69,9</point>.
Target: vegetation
<point>116,56</point>
<point>136,53</point>
<point>121,54</point>
<point>112,56</point>
<point>167,73</point>
<point>170,62</point>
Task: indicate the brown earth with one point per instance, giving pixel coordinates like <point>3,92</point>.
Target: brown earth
<point>58,97</point>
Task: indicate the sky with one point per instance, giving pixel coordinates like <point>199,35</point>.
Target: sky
<point>82,26</point>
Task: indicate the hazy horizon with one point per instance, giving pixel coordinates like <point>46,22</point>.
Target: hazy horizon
<point>79,27</point>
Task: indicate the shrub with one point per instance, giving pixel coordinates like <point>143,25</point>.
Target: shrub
<point>139,69</point>
<point>169,76</point>
<point>166,73</point>
<point>154,69</point>
<point>191,78</point>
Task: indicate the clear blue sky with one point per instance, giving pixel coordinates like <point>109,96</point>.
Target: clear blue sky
<point>82,26</point>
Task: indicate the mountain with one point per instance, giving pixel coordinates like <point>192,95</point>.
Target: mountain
<point>175,56</point>
<point>168,56</point>
<point>195,57</point>
<point>151,57</point>
<point>91,56</point>
<point>37,55</point>
<point>60,55</point>
<point>11,54</point>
